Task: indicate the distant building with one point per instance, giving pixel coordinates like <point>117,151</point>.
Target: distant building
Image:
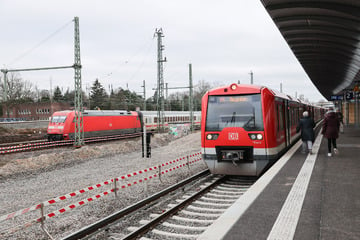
<point>33,111</point>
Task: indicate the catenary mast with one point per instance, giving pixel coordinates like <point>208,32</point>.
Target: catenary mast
<point>160,81</point>
<point>79,127</point>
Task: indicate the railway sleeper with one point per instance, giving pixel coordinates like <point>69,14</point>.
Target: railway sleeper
<point>175,235</point>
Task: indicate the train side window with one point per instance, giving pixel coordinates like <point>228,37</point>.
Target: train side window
<point>281,118</point>
<point>277,118</point>
<point>297,115</point>
<point>290,118</point>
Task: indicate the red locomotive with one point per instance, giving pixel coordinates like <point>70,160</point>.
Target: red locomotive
<point>96,124</point>
<point>99,123</point>
<point>246,128</point>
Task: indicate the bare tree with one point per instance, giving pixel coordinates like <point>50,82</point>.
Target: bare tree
<point>17,89</point>
<point>201,88</point>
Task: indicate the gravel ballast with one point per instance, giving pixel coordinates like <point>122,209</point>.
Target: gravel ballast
<point>30,180</point>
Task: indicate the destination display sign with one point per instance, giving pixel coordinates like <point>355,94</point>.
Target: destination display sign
<point>336,97</point>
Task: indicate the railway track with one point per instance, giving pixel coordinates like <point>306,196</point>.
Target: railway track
<point>182,211</point>
<point>42,144</point>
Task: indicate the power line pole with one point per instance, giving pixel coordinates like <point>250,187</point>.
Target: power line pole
<point>5,84</point>
<point>160,82</point>
<point>191,103</point>
<point>51,98</point>
<point>144,93</point>
<point>166,96</point>
<point>5,91</point>
<point>166,84</point>
<point>251,77</point>
<point>79,127</point>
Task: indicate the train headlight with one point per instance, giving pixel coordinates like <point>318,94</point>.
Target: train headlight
<point>233,86</point>
<point>212,136</point>
<point>255,136</point>
<point>252,136</point>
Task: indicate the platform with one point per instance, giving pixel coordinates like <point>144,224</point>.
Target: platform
<point>302,197</point>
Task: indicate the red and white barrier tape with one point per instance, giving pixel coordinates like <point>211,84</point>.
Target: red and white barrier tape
<point>69,195</point>
<point>95,197</point>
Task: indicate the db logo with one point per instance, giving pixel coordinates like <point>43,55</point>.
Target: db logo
<point>233,136</point>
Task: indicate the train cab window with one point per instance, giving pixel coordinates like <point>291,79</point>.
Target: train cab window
<point>234,111</point>
<point>58,119</point>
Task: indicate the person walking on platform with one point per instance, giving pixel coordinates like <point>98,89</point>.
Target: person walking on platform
<point>330,130</point>
<point>306,125</point>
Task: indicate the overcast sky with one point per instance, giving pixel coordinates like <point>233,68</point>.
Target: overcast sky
<point>223,40</point>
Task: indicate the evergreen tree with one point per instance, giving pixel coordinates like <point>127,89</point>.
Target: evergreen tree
<point>98,96</point>
<point>69,97</point>
<point>57,94</point>
<point>44,96</point>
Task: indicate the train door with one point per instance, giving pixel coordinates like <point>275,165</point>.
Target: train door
<point>281,127</point>
<point>287,124</point>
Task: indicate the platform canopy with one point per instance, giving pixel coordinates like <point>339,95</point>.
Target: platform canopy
<point>324,35</point>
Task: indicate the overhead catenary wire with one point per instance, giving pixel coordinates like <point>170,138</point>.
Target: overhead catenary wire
<point>140,67</point>
<point>39,44</point>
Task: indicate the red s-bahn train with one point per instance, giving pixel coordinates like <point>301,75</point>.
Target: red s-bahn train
<point>246,128</point>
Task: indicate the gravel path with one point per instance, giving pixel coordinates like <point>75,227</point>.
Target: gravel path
<point>29,181</point>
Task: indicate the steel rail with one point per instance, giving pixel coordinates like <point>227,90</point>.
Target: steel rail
<point>37,145</point>
<point>105,222</point>
<point>146,227</point>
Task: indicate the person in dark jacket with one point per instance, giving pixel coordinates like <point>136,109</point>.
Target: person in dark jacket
<point>330,130</point>
<point>306,125</point>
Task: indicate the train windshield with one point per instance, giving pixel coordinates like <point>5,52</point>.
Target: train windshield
<point>234,111</point>
<point>58,119</point>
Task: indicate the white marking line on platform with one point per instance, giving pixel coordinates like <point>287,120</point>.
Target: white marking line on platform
<point>286,222</point>
<point>225,222</point>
